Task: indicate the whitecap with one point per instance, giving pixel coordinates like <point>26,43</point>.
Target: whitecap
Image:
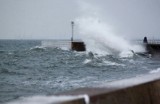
<point>86,61</point>
<point>126,54</point>
<point>155,71</point>
<point>113,63</point>
<point>37,48</point>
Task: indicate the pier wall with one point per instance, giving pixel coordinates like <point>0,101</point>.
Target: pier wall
<point>139,90</point>
<point>153,49</point>
<point>78,46</point>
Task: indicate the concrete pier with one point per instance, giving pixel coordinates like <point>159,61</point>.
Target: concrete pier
<point>139,90</point>
<point>153,49</point>
<point>152,46</point>
<point>78,46</point>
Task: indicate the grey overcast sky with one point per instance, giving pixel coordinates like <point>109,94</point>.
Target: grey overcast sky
<point>50,19</point>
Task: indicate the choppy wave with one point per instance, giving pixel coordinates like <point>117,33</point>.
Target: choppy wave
<point>9,72</point>
<point>155,71</point>
<point>101,60</point>
<point>62,44</point>
<point>100,63</point>
<point>4,70</point>
<point>36,70</point>
<point>2,51</point>
<point>86,61</point>
<point>38,48</point>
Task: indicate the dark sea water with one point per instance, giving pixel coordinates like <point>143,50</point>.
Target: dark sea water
<point>27,68</point>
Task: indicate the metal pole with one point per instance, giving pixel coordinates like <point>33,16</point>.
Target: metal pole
<point>72,24</point>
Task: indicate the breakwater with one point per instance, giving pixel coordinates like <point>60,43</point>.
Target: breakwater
<point>153,48</point>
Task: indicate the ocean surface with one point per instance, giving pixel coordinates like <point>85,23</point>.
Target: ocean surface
<point>29,68</point>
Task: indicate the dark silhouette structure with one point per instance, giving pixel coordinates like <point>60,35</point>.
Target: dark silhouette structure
<point>72,25</point>
<point>78,46</point>
<point>145,40</point>
<point>152,47</point>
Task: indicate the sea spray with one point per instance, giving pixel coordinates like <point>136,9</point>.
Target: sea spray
<point>99,37</point>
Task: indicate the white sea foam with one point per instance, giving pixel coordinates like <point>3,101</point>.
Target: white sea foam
<point>37,47</point>
<point>101,62</point>
<point>49,99</point>
<point>155,71</point>
<point>113,63</point>
<point>126,54</point>
<point>86,61</point>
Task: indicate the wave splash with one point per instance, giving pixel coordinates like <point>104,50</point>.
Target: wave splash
<point>98,36</point>
<point>99,39</point>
